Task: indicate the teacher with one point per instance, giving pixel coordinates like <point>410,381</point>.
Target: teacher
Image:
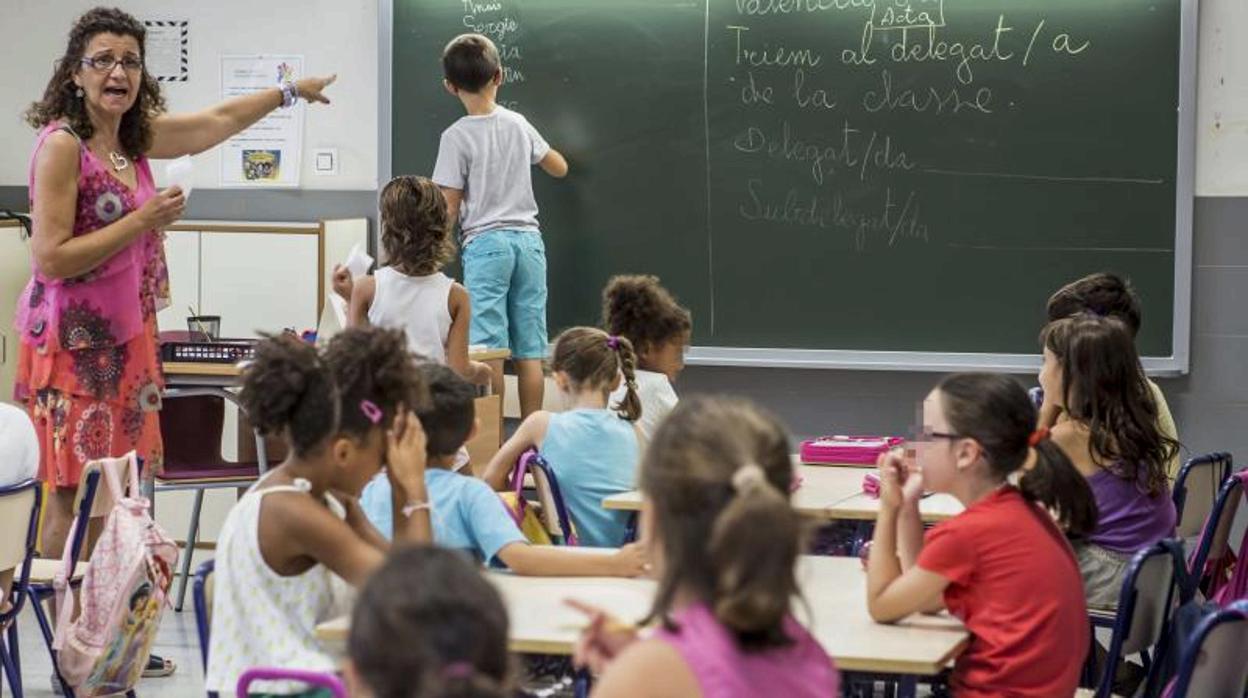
<point>89,368</point>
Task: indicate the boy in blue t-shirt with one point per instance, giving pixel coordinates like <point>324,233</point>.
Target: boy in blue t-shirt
<point>484,169</point>
<point>467,514</point>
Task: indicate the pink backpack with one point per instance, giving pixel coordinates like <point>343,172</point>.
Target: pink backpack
<point>104,650</point>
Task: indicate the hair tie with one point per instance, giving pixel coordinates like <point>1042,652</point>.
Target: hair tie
<point>458,671</point>
<point>371,411</point>
<point>613,342</point>
<point>1037,436</point>
<point>748,477</point>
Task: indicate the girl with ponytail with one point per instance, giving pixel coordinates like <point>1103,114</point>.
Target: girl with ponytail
<point>1003,565</point>
<point>593,449</point>
<point>724,542</point>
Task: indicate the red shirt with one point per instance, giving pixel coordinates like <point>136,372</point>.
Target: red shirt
<point>1014,582</point>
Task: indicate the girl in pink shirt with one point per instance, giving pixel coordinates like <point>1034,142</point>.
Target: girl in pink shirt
<point>724,541</point>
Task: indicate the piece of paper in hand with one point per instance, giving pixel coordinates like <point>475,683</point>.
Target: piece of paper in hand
<point>358,261</point>
<point>181,174</point>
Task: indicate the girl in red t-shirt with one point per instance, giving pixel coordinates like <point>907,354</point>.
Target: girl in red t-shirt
<point>1002,566</point>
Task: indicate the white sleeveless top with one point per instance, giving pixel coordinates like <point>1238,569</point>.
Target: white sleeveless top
<point>418,305</point>
<point>260,618</point>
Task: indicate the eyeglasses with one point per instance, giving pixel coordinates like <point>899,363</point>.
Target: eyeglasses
<point>925,435</point>
<point>107,62</point>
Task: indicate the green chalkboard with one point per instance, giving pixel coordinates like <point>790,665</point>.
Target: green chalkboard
<point>860,175</point>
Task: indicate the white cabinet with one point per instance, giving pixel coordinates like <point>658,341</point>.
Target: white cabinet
<point>14,273</point>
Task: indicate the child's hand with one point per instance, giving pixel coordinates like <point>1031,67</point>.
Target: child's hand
<point>900,480</point>
<point>405,451</point>
<point>343,282</point>
<point>602,640</point>
<point>630,561</point>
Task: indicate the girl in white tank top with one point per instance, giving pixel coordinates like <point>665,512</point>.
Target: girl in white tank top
<point>412,293</point>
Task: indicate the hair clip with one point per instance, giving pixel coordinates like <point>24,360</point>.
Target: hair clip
<point>461,671</point>
<point>613,343</point>
<point>1037,436</point>
<point>371,411</point>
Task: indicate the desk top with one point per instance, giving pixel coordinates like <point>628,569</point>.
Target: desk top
<point>835,588</point>
<point>177,372</point>
<point>828,493</point>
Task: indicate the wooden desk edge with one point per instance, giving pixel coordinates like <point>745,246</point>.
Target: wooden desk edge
<point>188,368</point>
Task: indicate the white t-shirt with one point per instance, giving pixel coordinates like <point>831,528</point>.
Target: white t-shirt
<point>658,398</point>
<point>19,446</point>
<point>490,158</point>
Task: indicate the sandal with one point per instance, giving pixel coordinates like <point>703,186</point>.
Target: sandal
<point>159,667</point>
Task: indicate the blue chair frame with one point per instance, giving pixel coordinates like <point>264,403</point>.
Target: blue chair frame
<point>10,655</point>
<point>1223,465</point>
<point>1235,613</point>
<point>1197,568</point>
<point>200,600</point>
<point>1124,618</point>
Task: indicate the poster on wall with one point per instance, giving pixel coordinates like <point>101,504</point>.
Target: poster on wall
<point>267,155</point>
<point>168,50</point>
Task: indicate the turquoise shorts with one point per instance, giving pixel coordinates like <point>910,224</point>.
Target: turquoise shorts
<point>505,272</point>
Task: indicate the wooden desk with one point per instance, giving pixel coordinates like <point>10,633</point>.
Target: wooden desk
<point>835,588</point>
<point>828,493</point>
<point>183,373</point>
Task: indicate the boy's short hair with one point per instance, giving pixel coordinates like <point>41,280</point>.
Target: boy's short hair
<point>1103,294</point>
<point>470,62</point>
<point>450,411</point>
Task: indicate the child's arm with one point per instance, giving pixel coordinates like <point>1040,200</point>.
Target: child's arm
<point>358,521</point>
<point>362,293</point>
<point>550,561</point>
<point>554,164</point>
<point>454,197</point>
<point>896,586</point>
<point>530,434</point>
<point>460,307</point>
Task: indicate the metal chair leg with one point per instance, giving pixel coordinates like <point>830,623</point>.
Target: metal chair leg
<point>45,627</point>
<point>14,656</point>
<point>191,537</point>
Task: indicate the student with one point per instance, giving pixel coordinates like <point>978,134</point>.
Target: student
<point>411,293</point>
<point>483,167</point>
<point>639,308</point>
<point>19,462</point>
<point>1111,296</point>
<point>342,415</point>
<point>467,514</point>
<point>725,542</point>
<point>427,624</point>
<point>1002,566</point>
<point>592,450</point>
<point>1092,375</point>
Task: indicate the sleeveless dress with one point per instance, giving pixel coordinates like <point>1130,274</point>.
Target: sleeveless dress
<point>89,370</point>
<point>418,305</point>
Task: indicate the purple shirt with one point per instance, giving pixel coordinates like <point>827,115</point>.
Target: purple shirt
<point>1129,519</point>
<point>724,670</point>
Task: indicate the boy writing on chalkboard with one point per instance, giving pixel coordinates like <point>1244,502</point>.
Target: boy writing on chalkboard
<point>484,167</point>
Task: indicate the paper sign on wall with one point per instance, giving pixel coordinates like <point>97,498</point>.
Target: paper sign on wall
<point>267,155</point>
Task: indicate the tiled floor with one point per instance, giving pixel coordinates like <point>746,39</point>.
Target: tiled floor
<point>176,640</point>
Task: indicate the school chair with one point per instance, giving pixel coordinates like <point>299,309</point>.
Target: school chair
<point>1196,489</point>
<point>1213,554</point>
<point>19,510</point>
<point>553,512</point>
<point>191,423</point>
<point>1145,606</point>
<point>1212,663</point>
<point>91,502</point>
<point>201,597</point>
<point>329,682</point>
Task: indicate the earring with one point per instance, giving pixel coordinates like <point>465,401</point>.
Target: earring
<point>78,92</point>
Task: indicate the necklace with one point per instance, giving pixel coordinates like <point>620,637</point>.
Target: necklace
<point>118,161</point>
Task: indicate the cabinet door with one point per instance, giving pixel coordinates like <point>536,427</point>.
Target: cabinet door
<point>182,256</point>
<point>14,273</point>
<point>259,282</point>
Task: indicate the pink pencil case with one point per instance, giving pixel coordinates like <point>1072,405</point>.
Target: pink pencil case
<point>847,450</point>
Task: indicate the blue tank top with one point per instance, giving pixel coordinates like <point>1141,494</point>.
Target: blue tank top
<point>594,454</point>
